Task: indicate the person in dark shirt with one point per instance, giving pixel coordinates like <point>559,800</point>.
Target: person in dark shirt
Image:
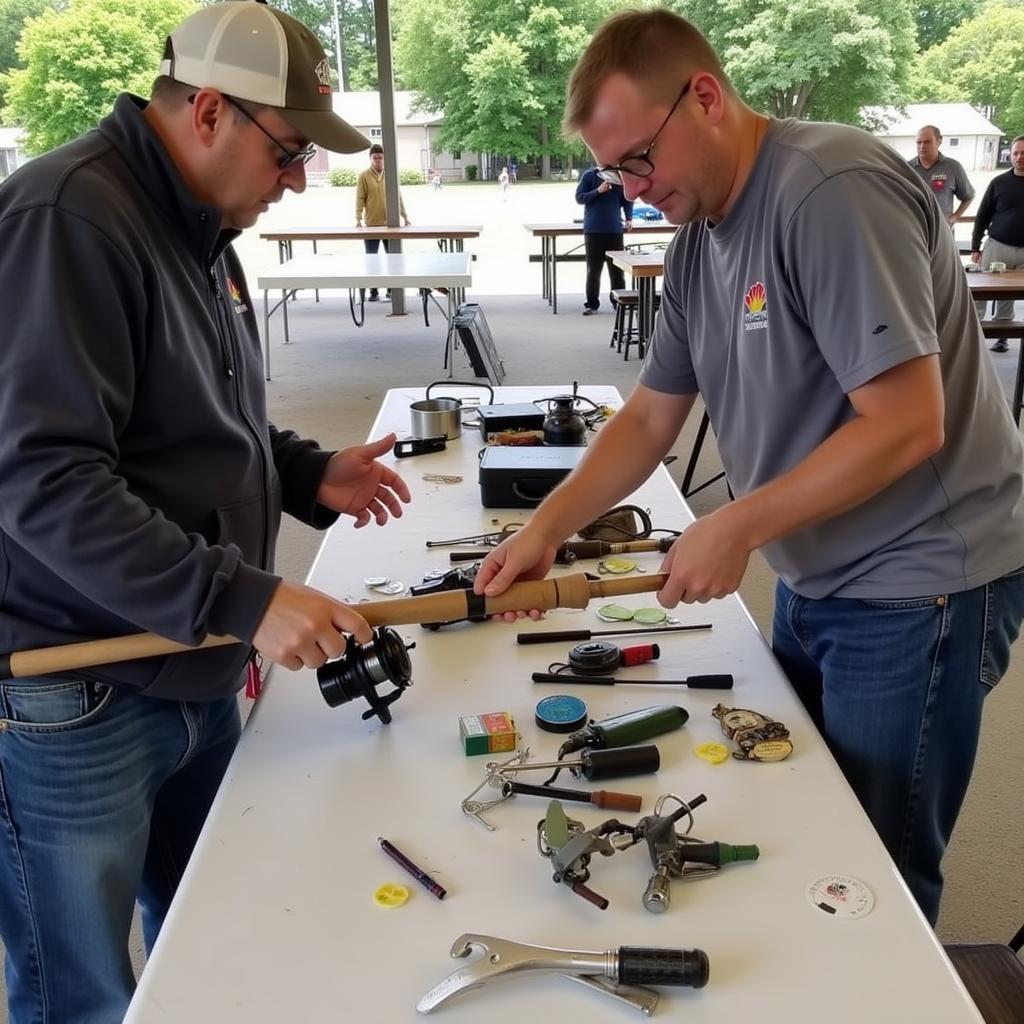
<point>143,490</point>
<point>604,208</point>
<point>1001,214</point>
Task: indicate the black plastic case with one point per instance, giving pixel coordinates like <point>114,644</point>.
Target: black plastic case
<point>523,477</point>
<point>514,416</point>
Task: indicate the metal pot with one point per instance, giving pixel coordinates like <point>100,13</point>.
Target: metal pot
<point>441,417</point>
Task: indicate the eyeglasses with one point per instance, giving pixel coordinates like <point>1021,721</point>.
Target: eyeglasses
<point>291,156</point>
<point>640,166</point>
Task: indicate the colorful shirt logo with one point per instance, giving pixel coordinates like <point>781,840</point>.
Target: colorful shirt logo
<point>755,314</point>
<point>236,297</point>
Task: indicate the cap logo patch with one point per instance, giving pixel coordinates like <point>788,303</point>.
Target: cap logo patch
<point>323,77</point>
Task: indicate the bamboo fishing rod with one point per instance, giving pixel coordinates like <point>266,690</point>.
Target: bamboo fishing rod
<point>574,591</point>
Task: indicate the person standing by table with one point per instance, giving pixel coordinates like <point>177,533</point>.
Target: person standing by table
<point>815,299</point>
<point>943,175</point>
<point>605,206</point>
<point>372,203</point>
<point>1001,215</point>
<point>143,487</point>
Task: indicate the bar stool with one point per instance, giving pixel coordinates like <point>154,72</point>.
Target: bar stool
<point>994,976</point>
<point>626,327</point>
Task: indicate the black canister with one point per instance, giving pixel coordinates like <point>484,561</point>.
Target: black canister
<point>563,425</point>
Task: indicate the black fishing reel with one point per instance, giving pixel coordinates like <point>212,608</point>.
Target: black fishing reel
<point>362,667</point>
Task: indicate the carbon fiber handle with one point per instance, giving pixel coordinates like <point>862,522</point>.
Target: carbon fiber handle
<point>646,965</point>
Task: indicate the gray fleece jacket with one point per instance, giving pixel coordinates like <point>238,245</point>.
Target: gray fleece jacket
<point>141,485</point>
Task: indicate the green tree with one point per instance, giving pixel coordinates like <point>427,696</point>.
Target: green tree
<point>13,15</point>
<point>819,59</point>
<point>498,71</point>
<point>937,18</point>
<point>982,62</point>
<point>76,61</point>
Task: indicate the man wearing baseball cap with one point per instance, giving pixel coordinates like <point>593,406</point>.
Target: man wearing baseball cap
<point>143,486</point>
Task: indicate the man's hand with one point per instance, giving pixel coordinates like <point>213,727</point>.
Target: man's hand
<point>629,225</point>
<point>707,561</point>
<point>526,555</point>
<point>303,627</point>
<point>408,223</point>
<point>604,186</point>
<point>953,218</point>
<point>976,257</point>
<point>359,223</point>
<point>354,484</point>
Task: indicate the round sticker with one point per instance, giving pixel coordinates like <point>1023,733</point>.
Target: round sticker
<point>841,896</point>
<point>713,753</point>
<point>391,894</point>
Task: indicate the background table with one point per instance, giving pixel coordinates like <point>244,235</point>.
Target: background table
<point>450,237</point>
<point>549,235</point>
<point>1008,285</point>
<point>450,271</point>
<point>645,268</point>
<point>274,919</point>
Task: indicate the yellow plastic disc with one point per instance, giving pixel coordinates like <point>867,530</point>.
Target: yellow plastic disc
<point>391,894</point>
<point>616,566</point>
<point>713,753</point>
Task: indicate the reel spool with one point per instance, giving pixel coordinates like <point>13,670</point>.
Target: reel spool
<point>359,671</point>
<point>598,657</point>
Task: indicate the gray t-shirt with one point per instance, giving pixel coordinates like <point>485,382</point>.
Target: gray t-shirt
<point>945,180</point>
<point>834,266</point>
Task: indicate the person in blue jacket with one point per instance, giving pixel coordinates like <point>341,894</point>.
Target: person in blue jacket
<point>605,207</point>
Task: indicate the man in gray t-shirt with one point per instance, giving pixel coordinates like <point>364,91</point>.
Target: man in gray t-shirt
<point>815,299</point>
<point>945,177</point>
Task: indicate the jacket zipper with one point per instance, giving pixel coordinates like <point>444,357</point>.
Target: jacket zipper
<point>228,353</point>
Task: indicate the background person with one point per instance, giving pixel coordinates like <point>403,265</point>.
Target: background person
<point>143,487</point>
<point>943,175</point>
<point>604,208</point>
<point>815,299</point>
<point>1001,215</point>
<point>372,203</point>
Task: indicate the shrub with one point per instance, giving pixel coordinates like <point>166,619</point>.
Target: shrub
<point>471,172</point>
<point>342,176</point>
<point>411,178</point>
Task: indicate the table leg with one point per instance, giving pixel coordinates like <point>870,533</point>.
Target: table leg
<point>316,291</point>
<point>284,304</point>
<point>554,274</point>
<point>449,352</point>
<point>266,333</point>
<point>646,303</point>
<point>1018,384</point>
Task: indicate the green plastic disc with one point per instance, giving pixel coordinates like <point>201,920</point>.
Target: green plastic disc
<point>614,613</point>
<point>650,616</point>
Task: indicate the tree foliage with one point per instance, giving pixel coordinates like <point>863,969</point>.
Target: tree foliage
<point>982,62</point>
<point>937,18</point>
<point>77,60</point>
<point>13,15</point>
<point>498,71</point>
<point>820,59</point>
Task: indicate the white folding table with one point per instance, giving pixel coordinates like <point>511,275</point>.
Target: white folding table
<point>274,920</point>
<point>449,271</point>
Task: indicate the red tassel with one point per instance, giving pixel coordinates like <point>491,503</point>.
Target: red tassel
<point>254,677</point>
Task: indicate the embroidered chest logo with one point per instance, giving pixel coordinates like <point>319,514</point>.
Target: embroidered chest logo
<point>236,297</point>
<point>755,312</point>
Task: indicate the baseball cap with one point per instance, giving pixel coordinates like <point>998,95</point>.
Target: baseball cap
<point>253,52</point>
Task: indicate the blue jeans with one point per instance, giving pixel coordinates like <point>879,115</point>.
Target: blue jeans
<point>896,688</point>
<point>102,796</point>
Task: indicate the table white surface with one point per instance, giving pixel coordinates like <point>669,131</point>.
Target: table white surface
<point>274,919</point>
<point>449,270</point>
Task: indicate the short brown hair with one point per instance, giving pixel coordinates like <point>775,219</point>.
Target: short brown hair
<point>376,148</point>
<point>654,48</point>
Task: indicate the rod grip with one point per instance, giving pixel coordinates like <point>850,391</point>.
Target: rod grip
<point>553,636</point>
<point>646,965</point>
<point>722,681</point>
<point>616,801</point>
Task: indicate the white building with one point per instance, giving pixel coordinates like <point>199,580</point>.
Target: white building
<point>966,135</point>
<point>12,156</point>
<point>416,131</point>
